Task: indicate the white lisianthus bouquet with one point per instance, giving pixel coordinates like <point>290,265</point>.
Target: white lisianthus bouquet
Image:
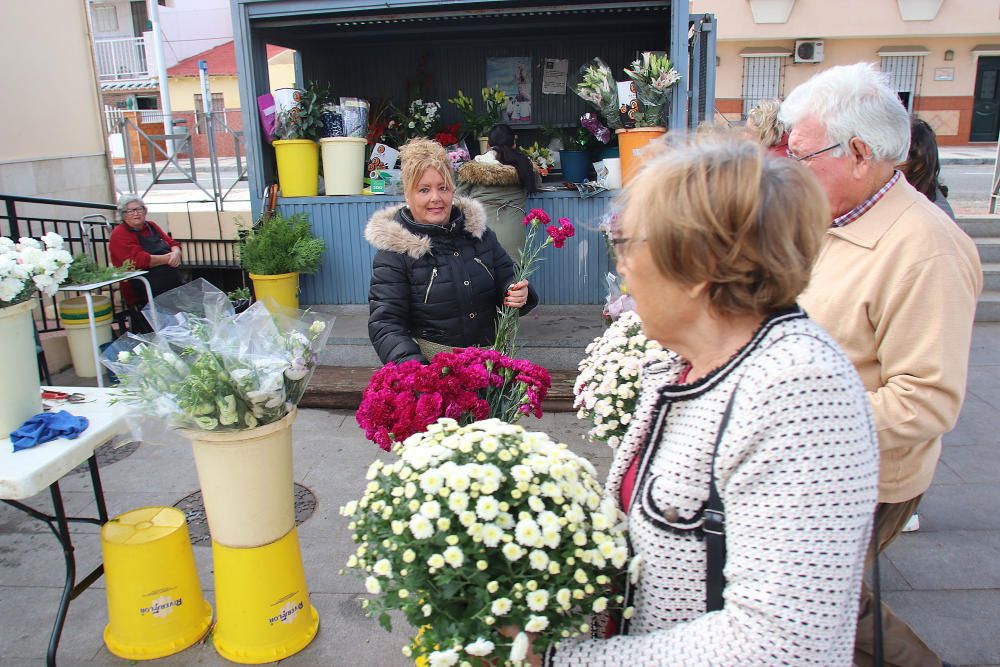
<point>208,368</point>
<point>484,526</point>
<point>31,265</point>
<point>607,389</point>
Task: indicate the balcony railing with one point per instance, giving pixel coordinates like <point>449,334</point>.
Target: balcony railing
<point>121,59</point>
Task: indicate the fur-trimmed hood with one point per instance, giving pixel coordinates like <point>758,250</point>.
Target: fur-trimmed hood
<point>475,172</point>
<point>385,232</point>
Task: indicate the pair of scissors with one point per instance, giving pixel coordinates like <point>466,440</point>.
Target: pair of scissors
<point>75,397</point>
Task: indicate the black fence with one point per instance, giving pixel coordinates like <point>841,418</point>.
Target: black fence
<point>86,229</point>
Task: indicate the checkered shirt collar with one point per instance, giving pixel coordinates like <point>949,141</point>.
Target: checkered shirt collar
<point>863,207</point>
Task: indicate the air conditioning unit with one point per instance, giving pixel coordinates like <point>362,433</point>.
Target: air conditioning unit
<point>808,51</point>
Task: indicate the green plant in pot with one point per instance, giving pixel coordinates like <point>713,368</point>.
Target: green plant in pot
<point>575,154</point>
<point>275,251</point>
<point>296,143</point>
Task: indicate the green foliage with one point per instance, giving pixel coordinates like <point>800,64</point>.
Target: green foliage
<point>281,245</point>
<point>572,138</point>
<point>239,294</point>
<point>85,271</point>
<point>304,121</point>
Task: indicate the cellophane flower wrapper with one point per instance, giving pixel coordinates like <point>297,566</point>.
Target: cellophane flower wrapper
<point>482,526</point>
<point>207,368</point>
<point>595,84</point>
<point>606,390</point>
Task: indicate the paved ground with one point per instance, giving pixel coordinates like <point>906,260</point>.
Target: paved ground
<point>944,579</point>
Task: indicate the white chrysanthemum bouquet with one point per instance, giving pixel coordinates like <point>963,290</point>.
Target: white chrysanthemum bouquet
<point>484,526</point>
<point>31,265</point>
<point>607,388</point>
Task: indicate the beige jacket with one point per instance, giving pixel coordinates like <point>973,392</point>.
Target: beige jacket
<point>897,289</point>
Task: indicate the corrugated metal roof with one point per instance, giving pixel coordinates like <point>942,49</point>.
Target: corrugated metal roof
<point>388,16</point>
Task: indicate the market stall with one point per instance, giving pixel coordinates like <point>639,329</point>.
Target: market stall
<point>403,50</point>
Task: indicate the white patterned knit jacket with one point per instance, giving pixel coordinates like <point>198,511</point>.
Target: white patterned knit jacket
<point>797,471</point>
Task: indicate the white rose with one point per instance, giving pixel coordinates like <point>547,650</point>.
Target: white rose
<point>373,586</point>
<point>536,624</point>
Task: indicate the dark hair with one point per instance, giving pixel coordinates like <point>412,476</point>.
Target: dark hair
<point>922,168</point>
<point>501,139</point>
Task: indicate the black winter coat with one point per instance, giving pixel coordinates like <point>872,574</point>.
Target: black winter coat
<point>442,283</point>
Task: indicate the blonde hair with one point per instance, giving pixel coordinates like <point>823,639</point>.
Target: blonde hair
<point>418,155</point>
<point>715,209</point>
<point>763,123</point>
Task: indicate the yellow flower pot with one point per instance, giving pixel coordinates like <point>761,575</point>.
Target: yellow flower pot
<point>298,167</point>
<point>246,482</point>
<point>279,292</point>
<point>264,612</point>
<point>155,605</point>
<point>630,144</point>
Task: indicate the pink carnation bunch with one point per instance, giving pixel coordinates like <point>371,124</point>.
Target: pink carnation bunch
<point>466,385</point>
<point>561,233</point>
<point>537,216</point>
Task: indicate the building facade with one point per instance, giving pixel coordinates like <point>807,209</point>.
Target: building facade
<point>943,56</point>
<point>51,148</point>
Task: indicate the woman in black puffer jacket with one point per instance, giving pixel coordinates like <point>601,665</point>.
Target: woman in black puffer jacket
<point>439,274</point>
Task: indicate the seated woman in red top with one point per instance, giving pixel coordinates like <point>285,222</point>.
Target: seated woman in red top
<point>150,249</point>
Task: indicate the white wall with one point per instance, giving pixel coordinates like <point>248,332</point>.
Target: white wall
<point>50,149</point>
<point>192,26</point>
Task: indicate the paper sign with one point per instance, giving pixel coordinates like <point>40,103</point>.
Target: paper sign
<point>628,103</point>
<point>554,77</point>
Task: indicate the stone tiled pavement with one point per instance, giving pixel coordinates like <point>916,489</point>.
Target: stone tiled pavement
<point>944,579</point>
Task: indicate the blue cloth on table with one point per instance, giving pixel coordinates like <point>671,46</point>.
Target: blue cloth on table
<point>48,426</point>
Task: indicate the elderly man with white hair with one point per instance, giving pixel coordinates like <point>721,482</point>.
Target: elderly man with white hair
<point>896,284</point>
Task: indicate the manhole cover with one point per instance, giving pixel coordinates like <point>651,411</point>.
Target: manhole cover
<point>194,512</point>
<point>108,454</point>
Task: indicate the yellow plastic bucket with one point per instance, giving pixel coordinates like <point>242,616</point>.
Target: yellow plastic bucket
<point>343,164</point>
<point>246,482</point>
<point>264,613</point>
<point>298,167</point>
<point>280,292</point>
<point>630,144</point>
<point>155,605</point>
<point>75,320</point>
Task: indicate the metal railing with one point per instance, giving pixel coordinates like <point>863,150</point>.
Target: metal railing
<point>178,165</point>
<point>120,59</point>
<point>86,229</point>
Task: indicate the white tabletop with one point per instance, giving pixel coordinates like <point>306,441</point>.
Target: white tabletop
<point>92,286</point>
<point>30,471</point>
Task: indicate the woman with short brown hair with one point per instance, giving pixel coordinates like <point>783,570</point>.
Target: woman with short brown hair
<point>749,471</point>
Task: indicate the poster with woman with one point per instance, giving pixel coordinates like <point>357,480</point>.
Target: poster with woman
<point>513,75</point>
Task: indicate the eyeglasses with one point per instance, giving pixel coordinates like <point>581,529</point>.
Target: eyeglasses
<point>623,244</point>
<point>134,210</point>
<point>795,157</point>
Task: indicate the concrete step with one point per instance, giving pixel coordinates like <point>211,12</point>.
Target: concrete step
<point>989,249</point>
<point>980,225</point>
<point>988,308</point>
<point>552,336</point>
<point>991,276</point>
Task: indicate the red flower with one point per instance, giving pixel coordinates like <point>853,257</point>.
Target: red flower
<point>537,215</point>
<point>446,138</point>
<point>404,399</point>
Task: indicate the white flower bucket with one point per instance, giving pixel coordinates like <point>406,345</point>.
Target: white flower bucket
<point>20,393</point>
<point>246,482</point>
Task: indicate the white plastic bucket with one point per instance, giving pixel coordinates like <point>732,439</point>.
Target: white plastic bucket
<point>343,164</point>
<point>614,167</point>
